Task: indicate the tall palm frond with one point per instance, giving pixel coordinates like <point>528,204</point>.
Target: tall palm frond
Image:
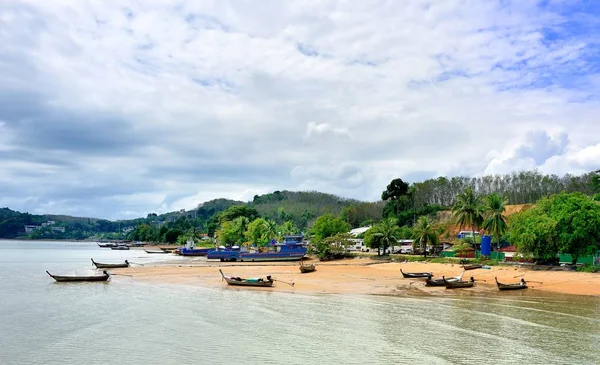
<point>495,220</point>
<point>468,210</point>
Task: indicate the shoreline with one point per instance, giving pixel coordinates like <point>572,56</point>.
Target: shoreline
<point>365,276</point>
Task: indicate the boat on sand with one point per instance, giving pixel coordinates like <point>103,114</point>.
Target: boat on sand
<point>236,280</point>
<point>520,285</point>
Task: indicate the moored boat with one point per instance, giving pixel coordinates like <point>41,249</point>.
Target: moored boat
<point>106,245</point>
<point>184,251</point>
<point>307,268</point>
<point>119,248</point>
<point>236,280</point>
<point>520,285</point>
<point>59,278</point>
<point>110,266</point>
<point>155,251</point>
<point>458,284</point>
<point>415,275</point>
<point>442,282</point>
<point>472,266</point>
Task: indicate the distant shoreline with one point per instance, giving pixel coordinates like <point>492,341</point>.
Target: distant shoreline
<point>367,276</point>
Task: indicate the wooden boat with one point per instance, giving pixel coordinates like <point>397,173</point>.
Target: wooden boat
<point>472,266</point>
<point>119,248</point>
<point>307,268</point>
<point>156,251</point>
<point>167,250</point>
<point>520,285</point>
<point>442,282</point>
<point>106,245</point>
<point>458,284</point>
<point>102,277</point>
<point>109,266</point>
<point>234,280</point>
<point>416,274</point>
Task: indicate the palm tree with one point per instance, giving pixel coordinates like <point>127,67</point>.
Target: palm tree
<point>387,232</point>
<point>495,220</point>
<point>467,210</point>
<point>424,233</point>
<point>271,230</point>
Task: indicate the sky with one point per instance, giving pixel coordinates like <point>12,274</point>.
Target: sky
<point>117,109</point>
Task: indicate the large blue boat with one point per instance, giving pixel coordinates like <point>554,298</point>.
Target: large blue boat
<point>292,249</point>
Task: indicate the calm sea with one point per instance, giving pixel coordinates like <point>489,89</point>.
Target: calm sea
<point>127,322</point>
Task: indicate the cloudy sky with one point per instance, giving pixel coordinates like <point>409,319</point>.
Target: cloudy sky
<point>116,109</point>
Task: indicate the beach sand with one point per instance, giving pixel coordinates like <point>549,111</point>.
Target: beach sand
<point>362,276</point>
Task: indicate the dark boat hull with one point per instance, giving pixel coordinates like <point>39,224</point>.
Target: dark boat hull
<point>308,268</point>
<point>119,248</point>
<point>472,267</point>
<point>416,275</point>
<point>110,266</point>
<point>458,284</point>
<point>62,279</point>
<point>236,281</point>
<point>155,251</point>
<point>518,286</point>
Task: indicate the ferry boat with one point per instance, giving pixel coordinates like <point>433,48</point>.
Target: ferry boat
<point>292,249</point>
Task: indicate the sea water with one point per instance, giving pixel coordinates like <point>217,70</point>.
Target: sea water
<point>125,321</point>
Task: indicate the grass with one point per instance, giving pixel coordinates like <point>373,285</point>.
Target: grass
<point>588,268</point>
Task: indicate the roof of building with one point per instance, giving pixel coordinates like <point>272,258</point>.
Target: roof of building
<point>360,230</point>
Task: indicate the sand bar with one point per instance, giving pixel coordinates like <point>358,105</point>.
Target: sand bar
<point>363,276</point>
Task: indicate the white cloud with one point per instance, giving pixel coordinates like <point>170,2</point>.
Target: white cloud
<point>125,102</point>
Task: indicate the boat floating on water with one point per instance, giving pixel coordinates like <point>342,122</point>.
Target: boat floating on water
<point>73,278</point>
<point>109,266</point>
<point>119,248</point>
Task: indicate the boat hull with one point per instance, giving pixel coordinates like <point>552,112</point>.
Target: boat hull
<point>110,266</point>
<point>237,281</point>
<point>416,275</point>
<point>518,286</point>
<point>308,268</point>
<point>270,257</point>
<point>63,279</point>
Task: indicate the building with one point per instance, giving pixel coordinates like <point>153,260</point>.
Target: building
<point>30,228</point>
<point>358,231</point>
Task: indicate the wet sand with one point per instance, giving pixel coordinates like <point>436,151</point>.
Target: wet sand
<point>363,276</point>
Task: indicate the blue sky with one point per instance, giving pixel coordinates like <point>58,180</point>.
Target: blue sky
<point>119,109</point>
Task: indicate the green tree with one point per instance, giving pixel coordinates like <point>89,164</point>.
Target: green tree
<point>228,233</point>
<point>424,234</point>
<point>257,232</point>
<point>563,223</point>
<point>288,228</point>
<point>172,235</point>
<point>236,211</point>
<point>386,233</point>
<point>467,210</point>
<point>494,219</point>
<point>328,225</point>
<point>333,247</point>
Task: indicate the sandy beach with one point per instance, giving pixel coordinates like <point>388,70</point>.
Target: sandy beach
<point>362,276</point>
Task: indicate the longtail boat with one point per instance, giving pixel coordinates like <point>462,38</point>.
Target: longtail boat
<point>119,248</point>
<point>520,285</point>
<point>307,268</point>
<point>472,266</point>
<point>102,277</point>
<point>156,251</point>
<point>416,274</point>
<point>106,245</point>
<point>109,266</point>
<point>442,282</point>
<point>236,280</point>
<point>458,284</point>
